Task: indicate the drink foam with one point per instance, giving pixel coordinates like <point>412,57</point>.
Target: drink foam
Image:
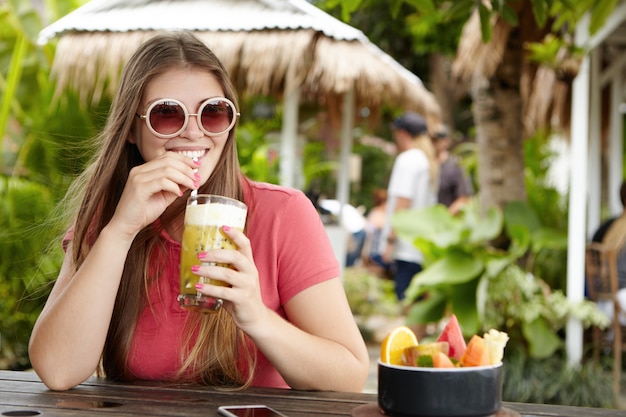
<point>216,214</point>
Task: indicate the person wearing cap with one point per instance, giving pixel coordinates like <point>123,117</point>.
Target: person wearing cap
<point>455,189</point>
<point>413,185</point>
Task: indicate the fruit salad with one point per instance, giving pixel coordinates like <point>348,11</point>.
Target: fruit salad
<point>401,347</point>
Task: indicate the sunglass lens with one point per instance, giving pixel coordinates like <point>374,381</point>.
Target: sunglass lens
<point>167,118</point>
<point>217,116</point>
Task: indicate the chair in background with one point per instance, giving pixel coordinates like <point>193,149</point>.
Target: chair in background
<point>602,286</point>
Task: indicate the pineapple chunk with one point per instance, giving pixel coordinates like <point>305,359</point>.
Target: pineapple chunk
<point>495,341</point>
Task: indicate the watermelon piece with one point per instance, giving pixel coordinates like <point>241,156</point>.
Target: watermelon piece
<point>454,336</point>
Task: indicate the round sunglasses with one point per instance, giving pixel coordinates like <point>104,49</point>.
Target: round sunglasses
<point>168,117</point>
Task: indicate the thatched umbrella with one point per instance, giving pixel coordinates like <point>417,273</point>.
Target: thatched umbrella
<point>268,46</point>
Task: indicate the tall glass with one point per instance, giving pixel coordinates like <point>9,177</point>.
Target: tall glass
<point>204,217</point>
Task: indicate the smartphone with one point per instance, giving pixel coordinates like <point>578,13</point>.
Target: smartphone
<point>256,410</point>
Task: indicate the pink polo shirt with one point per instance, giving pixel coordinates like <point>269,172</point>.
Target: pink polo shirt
<point>292,252</point>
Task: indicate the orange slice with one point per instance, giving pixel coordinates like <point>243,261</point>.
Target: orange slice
<point>394,344</point>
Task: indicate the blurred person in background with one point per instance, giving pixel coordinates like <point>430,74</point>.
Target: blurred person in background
<point>612,234</point>
<point>455,189</point>
<point>413,185</point>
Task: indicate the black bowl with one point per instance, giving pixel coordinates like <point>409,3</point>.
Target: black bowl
<point>408,391</point>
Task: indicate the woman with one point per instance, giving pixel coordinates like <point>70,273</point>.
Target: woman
<point>413,184</point>
<point>285,321</point>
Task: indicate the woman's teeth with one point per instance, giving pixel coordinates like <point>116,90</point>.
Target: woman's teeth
<point>191,154</point>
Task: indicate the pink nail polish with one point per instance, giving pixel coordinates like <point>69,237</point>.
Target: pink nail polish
<point>201,255</point>
<point>199,286</point>
<point>195,268</point>
<point>196,176</point>
<point>196,184</point>
<point>225,228</point>
<point>195,161</point>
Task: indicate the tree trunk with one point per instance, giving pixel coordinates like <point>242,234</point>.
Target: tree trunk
<point>441,87</point>
<point>499,129</point>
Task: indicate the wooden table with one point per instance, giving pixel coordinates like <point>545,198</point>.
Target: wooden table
<point>23,394</point>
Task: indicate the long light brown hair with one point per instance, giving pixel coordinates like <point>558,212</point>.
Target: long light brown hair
<point>216,354</point>
<point>425,144</point>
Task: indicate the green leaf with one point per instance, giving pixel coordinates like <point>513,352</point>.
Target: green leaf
<point>15,73</point>
<point>545,238</point>
<point>435,224</point>
<point>348,7</point>
<point>599,14</point>
<point>455,268</point>
<point>520,240</point>
<point>540,11</point>
<point>547,51</point>
<point>485,22</point>
<point>425,7</point>
<point>484,228</point>
<point>542,340</point>
<point>463,303</point>
<point>509,15</point>
<point>395,6</point>
<point>495,265</point>
<point>520,213</point>
<point>428,310</point>
<point>460,10</point>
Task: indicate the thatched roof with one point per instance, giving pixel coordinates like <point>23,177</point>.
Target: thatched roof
<point>267,46</point>
<point>545,96</point>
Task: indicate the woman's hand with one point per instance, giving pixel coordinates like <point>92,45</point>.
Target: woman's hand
<point>151,188</point>
<point>316,346</point>
<point>242,296</point>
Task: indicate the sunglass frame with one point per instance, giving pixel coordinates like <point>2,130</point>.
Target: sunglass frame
<point>198,115</point>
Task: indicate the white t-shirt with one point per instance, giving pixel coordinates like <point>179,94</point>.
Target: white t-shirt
<point>410,178</point>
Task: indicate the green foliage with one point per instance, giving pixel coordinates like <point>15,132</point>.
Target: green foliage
<point>547,51</point>
<point>430,26</point>
<point>543,197</point>
<point>436,25</point>
<point>549,381</point>
<point>376,168</point>
<point>259,156</point>
<point>42,148</point>
<point>317,166</point>
<point>368,294</point>
<point>484,285</point>
<point>26,265</point>
<point>562,15</point>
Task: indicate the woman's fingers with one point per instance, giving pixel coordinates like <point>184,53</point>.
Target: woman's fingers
<point>241,293</point>
<point>152,187</point>
<point>166,173</point>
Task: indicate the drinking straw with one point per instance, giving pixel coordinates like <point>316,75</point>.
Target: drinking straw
<point>195,191</point>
